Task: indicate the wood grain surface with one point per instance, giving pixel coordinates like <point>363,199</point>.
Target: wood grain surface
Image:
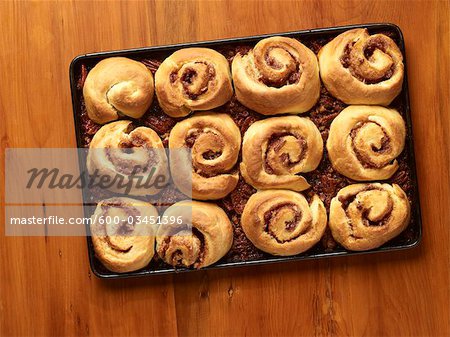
<point>46,288</point>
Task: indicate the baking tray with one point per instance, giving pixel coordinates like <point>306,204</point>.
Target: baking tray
<point>415,227</point>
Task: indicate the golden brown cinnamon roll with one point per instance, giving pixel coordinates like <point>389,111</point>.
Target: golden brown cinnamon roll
<point>365,216</point>
<point>193,79</point>
<point>118,151</point>
<point>276,149</point>
<point>121,242</point>
<point>359,68</point>
<point>203,237</point>
<point>365,140</point>
<point>117,86</point>
<point>214,140</point>
<point>280,75</point>
<point>282,222</point>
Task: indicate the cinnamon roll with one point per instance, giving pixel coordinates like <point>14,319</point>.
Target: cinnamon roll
<point>193,79</point>
<point>121,242</point>
<point>359,68</point>
<point>365,140</point>
<point>282,222</point>
<point>133,158</point>
<point>214,140</point>
<point>117,86</point>
<point>203,237</point>
<point>365,216</point>
<point>276,149</point>
<point>280,75</point>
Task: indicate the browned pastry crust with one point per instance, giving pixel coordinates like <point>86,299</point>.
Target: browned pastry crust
<point>280,75</point>
<point>276,149</point>
<point>214,140</point>
<point>193,79</point>
<point>365,140</point>
<point>117,150</point>
<point>282,222</point>
<point>122,243</point>
<point>359,68</point>
<point>203,238</point>
<point>117,86</point>
<point>365,216</point>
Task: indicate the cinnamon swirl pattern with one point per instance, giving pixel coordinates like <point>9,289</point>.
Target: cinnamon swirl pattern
<point>282,222</point>
<point>121,242</point>
<point>193,79</point>
<point>119,150</point>
<point>365,216</point>
<point>276,149</point>
<point>117,86</point>
<point>214,140</point>
<point>203,238</point>
<point>365,140</point>
<point>280,75</point>
<point>359,68</point>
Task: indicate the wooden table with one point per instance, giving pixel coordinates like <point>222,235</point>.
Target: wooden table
<point>45,283</point>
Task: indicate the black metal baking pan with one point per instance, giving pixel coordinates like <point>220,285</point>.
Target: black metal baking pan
<point>408,239</point>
